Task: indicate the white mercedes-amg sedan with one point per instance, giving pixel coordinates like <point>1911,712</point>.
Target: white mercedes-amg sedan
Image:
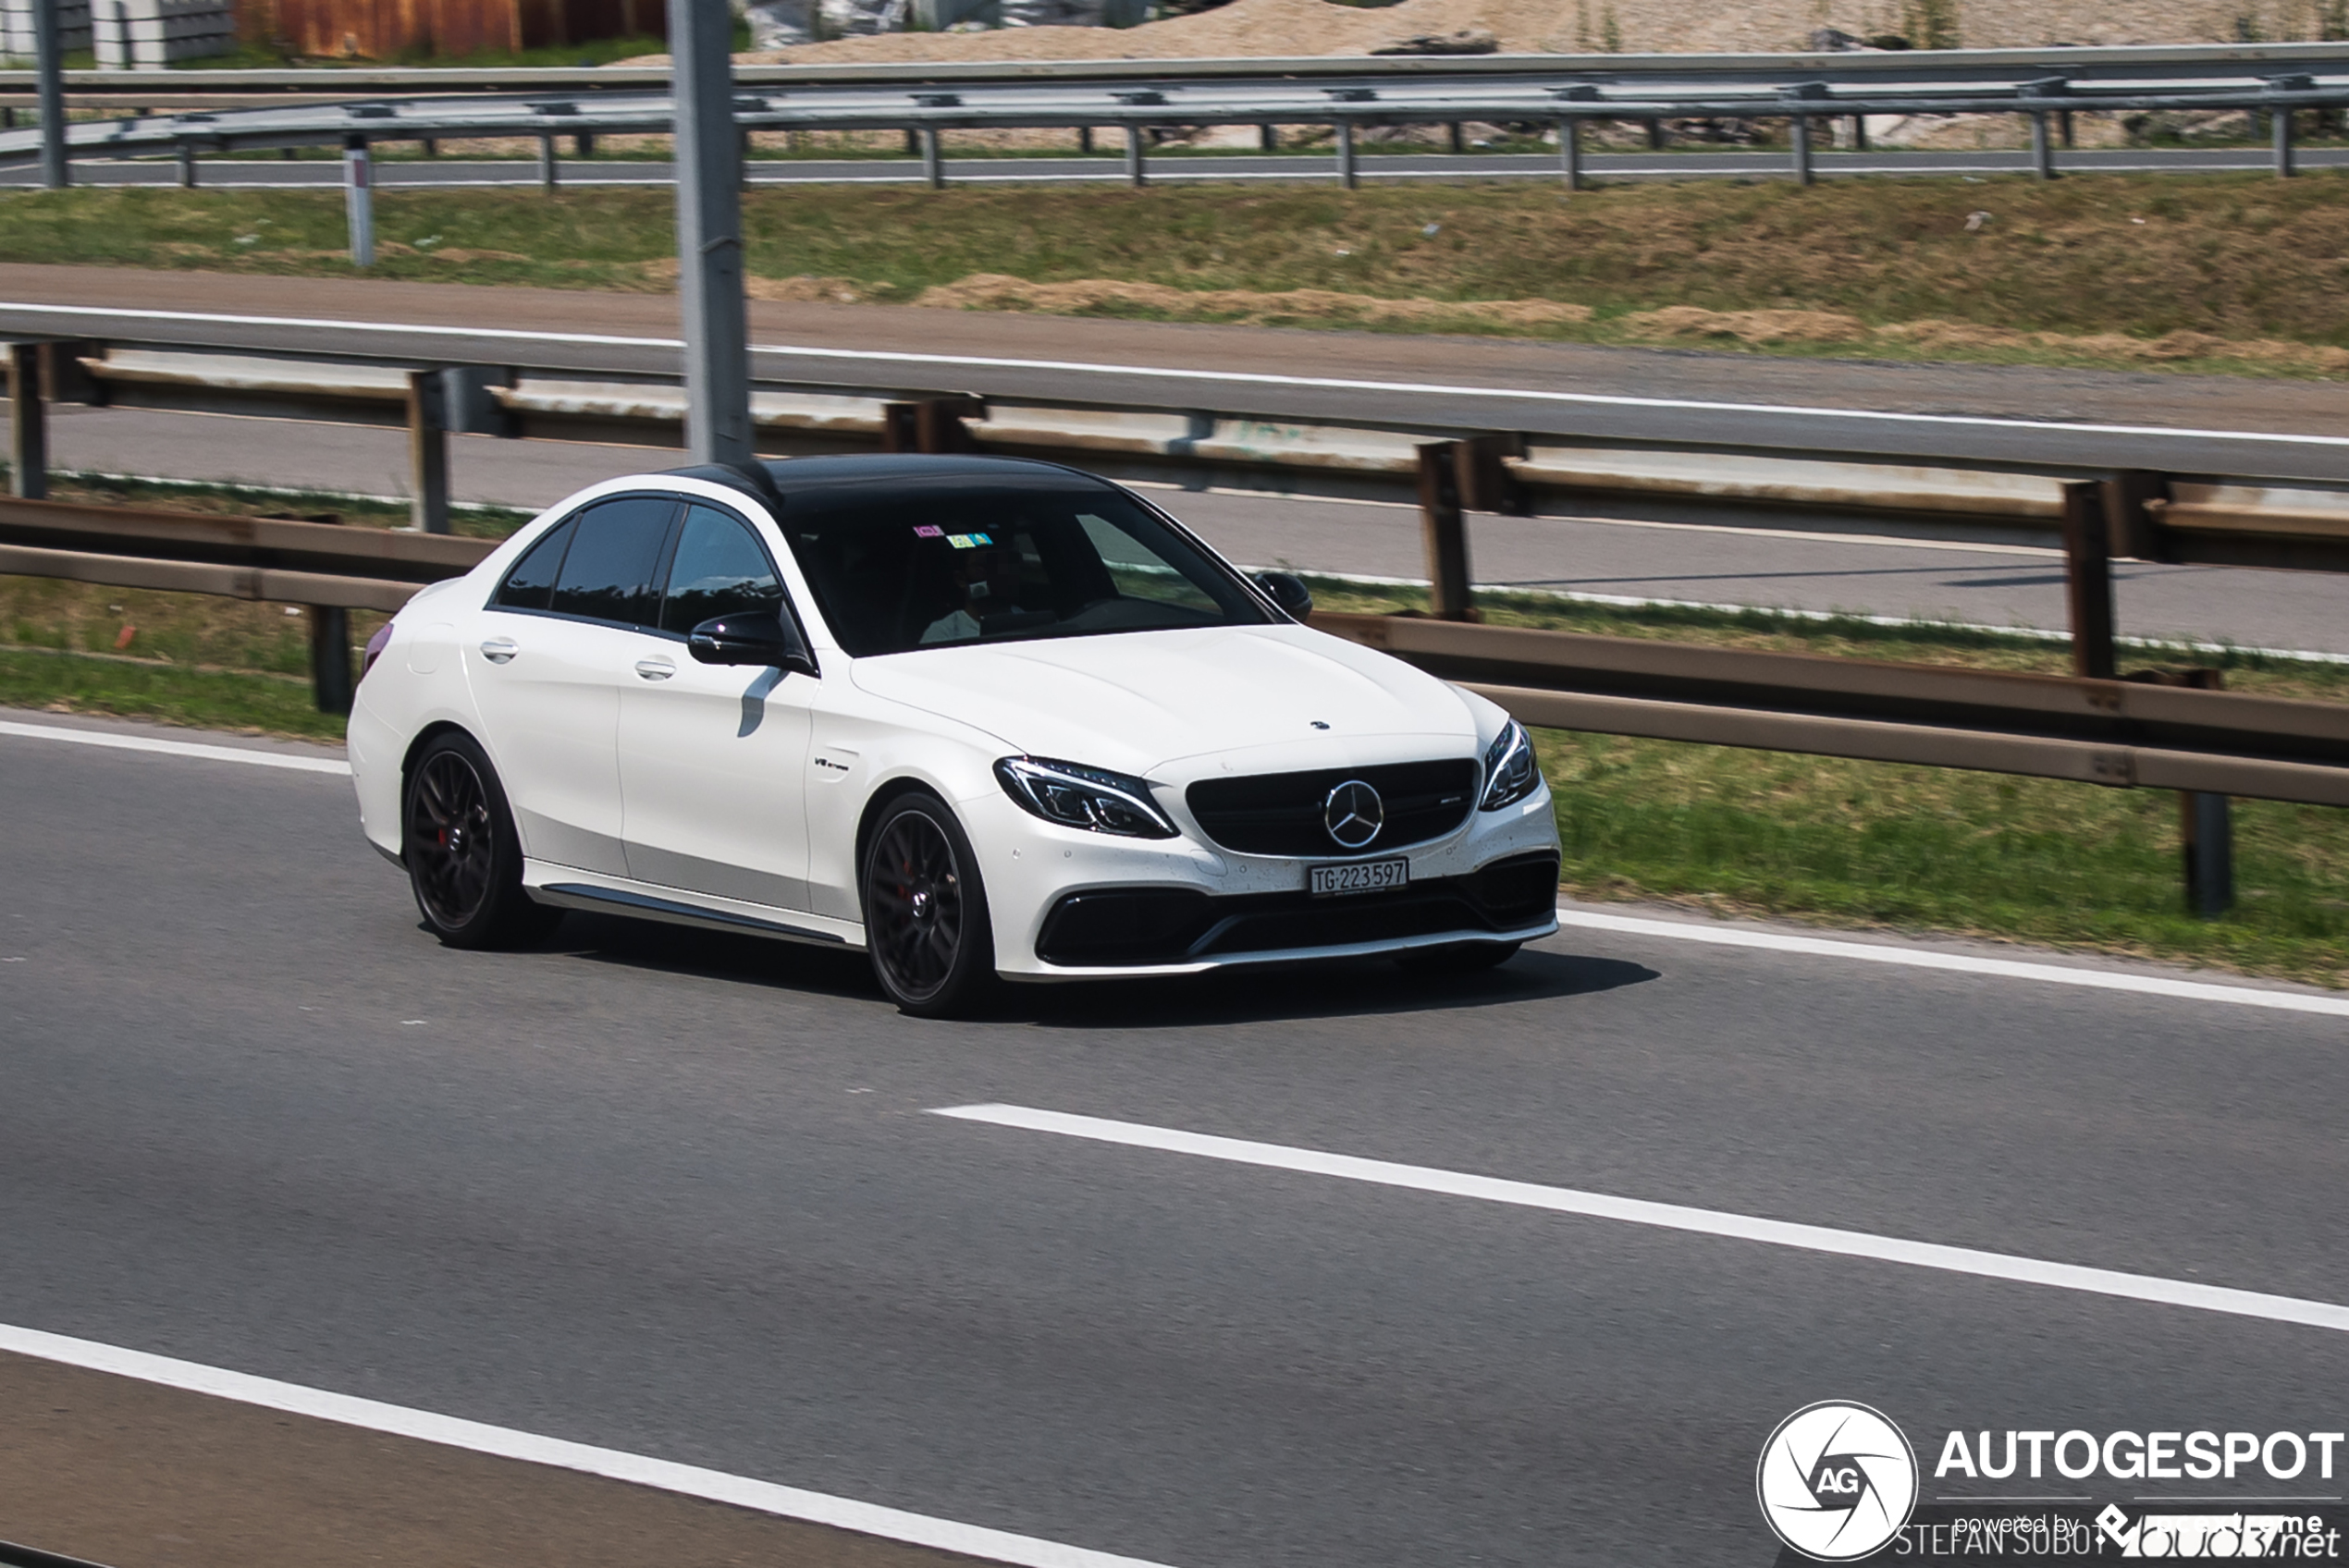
<point>980,717</point>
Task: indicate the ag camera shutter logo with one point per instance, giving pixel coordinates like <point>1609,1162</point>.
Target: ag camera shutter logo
<point>1836,1481</point>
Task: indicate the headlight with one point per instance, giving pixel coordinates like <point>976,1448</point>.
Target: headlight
<point>1509,771</point>
<point>1078,796</point>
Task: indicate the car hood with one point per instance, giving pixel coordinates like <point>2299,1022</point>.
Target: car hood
<point>1140,700</point>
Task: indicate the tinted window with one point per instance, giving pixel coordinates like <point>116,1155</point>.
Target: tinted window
<point>608,575</point>
<point>719,569</point>
<point>959,560</point>
<point>531,582</point>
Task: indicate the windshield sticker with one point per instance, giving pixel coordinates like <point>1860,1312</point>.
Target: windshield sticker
<point>927,532</point>
<point>969,541</point>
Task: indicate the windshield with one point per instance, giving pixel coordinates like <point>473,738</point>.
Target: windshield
<point>932,564</point>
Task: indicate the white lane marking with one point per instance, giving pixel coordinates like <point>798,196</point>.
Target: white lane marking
<point>449,1431</point>
<point>1667,1216</point>
<point>1958,963</point>
<point>1167,373</point>
<point>175,748</point>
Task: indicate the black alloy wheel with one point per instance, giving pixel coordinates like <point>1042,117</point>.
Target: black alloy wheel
<point>925,921</point>
<point>463,857</point>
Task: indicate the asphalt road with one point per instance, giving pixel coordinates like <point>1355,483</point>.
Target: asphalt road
<point>1728,164</point>
<point>1696,560</point>
<point>1992,415</point>
<point>677,1194</point>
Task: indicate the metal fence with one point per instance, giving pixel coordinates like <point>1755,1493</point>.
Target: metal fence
<point>2044,87</point>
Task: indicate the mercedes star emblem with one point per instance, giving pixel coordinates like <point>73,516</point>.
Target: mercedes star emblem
<point>1354,814</point>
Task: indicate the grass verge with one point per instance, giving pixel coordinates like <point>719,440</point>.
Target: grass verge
<point>2208,272</point>
<point>1915,849</point>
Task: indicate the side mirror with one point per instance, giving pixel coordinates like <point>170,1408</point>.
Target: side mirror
<point>1288,591</point>
<point>760,637</point>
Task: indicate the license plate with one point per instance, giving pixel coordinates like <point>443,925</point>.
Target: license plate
<point>1363,876</point>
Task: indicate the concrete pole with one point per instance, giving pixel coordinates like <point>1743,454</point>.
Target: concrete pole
<point>709,234</point>
<point>49,61</point>
<point>358,200</point>
<point>1346,171</point>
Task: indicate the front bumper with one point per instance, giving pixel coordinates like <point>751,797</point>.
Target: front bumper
<point>1069,904</point>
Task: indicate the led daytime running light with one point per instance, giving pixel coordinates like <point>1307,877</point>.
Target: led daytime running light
<point>1094,798</point>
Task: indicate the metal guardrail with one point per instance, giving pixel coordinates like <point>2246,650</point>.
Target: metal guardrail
<point>2199,519</point>
<point>1562,91</point>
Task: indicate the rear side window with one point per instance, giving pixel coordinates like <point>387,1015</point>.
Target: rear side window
<point>608,572</point>
<point>719,569</point>
<point>531,582</point>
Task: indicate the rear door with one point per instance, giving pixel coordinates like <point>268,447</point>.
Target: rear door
<point>555,648</point>
<point>711,756</point>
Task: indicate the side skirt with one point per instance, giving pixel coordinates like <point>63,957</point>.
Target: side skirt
<point>566,888</point>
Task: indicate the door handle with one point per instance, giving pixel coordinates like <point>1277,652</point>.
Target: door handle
<point>655,669</point>
<point>500,650</point>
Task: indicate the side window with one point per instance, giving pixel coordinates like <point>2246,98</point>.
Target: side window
<point>719,569</point>
<point>531,582</point>
<point>608,575</point>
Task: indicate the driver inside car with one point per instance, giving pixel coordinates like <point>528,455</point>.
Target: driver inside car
<point>987,583</point>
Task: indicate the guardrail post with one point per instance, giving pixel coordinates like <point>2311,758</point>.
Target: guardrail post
<point>2131,530</point>
<point>933,162</point>
<point>427,451</point>
<point>1445,529</point>
<point>2282,122</point>
<point>548,175</point>
<point>1656,135</point>
<point>428,145</point>
<point>1859,133</point>
<point>27,424</point>
<point>583,145</point>
<point>2042,152</point>
<point>1084,140</point>
<point>1480,466</point>
<point>1346,174</point>
<point>1455,138</point>
<point>187,166</point>
<point>1800,130</point>
<point>2087,575</point>
<point>1268,137</point>
<point>931,424</point>
<point>1571,152</point>
<point>2063,122</point>
<point>330,657</point>
<point>358,200</point>
<point>2206,828</point>
<point>1136,174</point>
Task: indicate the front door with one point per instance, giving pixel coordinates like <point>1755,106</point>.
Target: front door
<point>547,662</point>
<point>711,755</point>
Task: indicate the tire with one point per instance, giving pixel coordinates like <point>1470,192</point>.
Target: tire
<point>1457,958</point>
<point>926,926</point>
<point>463,857</point>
